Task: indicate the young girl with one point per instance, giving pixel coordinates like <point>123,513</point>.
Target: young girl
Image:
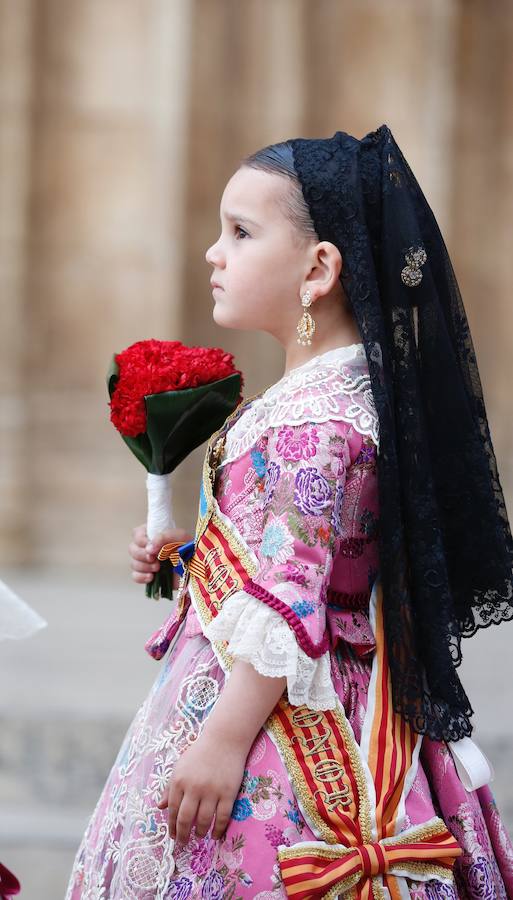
<point>307,735</point>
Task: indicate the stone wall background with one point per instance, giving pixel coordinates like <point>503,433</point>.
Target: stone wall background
<point>121,121</point>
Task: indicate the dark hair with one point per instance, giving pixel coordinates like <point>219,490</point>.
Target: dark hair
<point>278,159</point>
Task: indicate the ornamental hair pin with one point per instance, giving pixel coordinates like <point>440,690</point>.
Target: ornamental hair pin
<point>415,258</point>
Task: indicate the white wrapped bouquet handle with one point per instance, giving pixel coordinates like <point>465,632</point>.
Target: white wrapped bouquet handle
<point>160,513</point>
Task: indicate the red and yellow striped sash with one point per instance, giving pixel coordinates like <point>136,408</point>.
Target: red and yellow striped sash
<point>351,795</point>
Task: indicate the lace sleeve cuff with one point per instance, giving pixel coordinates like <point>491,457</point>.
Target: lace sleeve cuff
<point>260,635</point>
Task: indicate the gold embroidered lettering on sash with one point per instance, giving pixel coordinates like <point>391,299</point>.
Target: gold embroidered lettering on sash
<point>335,799</point>
<point>328,770</point>
<point>306,718</point>
<point>319,742</point>
<point>219,573</point>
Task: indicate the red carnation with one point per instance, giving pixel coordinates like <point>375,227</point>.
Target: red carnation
<point>151,367</point>
<point>165,400</point>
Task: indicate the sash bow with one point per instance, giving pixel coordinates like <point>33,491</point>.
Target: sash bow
<point>316,869</point>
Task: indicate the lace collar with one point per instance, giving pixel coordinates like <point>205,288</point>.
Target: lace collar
<point>350,351</point>
<point>332,385</point>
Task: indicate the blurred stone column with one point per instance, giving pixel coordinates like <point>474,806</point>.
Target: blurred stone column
<point>247,89</point>
<point>103,266</point>
<point>15,136</point>
<point>483,208</point>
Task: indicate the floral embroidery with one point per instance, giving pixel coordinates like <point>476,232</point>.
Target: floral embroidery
<point>231,852</point>
<point>258,462</point>
<point>271,479</point>
<point>481,879</point>
<point>293,571</point>
<point>303,608</point>
<point>277,541</point>
<point>432,890</point>
<point>312,491</point>
<point>368,523</point>
<point>213,886</point>
<point>241,809</point>
<point>261,787</point>
<point>202,854</point>
<point>336,516</point>
<point>294,815</point>
<point>180,889</point>
<point>295,444</point>
<point>275,836</point>
<point>366,454</point>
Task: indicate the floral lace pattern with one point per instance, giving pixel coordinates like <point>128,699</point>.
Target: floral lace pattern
<point>335,385</point>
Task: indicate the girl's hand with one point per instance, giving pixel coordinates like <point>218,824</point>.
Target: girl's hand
<point>144,553</point>
<point>205,782</point>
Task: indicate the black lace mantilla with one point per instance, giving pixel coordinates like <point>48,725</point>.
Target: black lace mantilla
<point>446,551</point>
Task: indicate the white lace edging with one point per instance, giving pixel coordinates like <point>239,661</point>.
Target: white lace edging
<point>326,390</point>
<point>260,635</point>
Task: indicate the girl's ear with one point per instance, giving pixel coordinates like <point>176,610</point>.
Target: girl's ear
<point>326,268</point>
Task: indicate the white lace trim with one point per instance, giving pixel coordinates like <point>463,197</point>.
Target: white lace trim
<point>261,636</point>
<point>324,388</point>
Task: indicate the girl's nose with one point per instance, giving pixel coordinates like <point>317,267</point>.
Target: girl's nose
<point>213,256</point>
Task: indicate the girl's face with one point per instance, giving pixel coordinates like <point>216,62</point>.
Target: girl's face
<point>259,259</point>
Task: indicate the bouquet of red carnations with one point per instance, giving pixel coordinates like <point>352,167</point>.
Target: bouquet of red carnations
<point>165,400</point>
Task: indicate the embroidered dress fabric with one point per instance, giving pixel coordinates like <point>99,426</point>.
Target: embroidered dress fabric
<point>298,480</point>
<point>279,624</point>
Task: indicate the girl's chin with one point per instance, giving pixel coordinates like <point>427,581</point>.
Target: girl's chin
<point>223,318</point>
<point>220,315</point>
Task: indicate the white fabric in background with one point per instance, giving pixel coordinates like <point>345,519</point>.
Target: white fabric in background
<point>17,618</point>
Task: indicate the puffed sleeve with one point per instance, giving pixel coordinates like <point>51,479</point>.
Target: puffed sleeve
<point>278,621</point>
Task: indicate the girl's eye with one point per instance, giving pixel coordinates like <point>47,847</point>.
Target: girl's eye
<point>241,230</point>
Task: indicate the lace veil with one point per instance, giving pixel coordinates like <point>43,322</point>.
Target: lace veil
<point>446,551</point>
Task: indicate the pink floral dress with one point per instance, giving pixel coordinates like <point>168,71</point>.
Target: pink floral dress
<point>298,480</point>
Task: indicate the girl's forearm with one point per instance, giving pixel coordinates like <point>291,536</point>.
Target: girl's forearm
<point>246,701</point>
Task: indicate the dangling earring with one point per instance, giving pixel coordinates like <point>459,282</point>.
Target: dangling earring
<point>306,324</point>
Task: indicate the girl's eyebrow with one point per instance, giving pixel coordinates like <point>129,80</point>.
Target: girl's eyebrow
<point>235,217</point>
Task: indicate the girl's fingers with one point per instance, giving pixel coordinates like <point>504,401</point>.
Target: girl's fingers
<point>141,578</point>
<point>174,798</point>
<point>140,535</point>
<point>173,803</point>
<point>165,797</point>
<point>145,567</point>
<point>143,559</point>
<point>204,816</point>
<point>140,553</point>
<point>173,534</point>
<point>185,818</point>
<point>223,816</point>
